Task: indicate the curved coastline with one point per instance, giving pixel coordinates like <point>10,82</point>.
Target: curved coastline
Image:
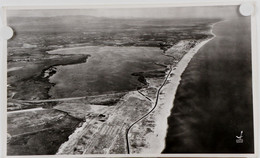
<point>156,140</point>
<point>172,87</point>
<point>204,101</point>
<point>160,113</point>
<point>165,103</point>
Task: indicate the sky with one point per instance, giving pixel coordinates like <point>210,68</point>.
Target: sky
<point>171,12</point>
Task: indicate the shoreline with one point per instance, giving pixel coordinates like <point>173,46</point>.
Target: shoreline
<point>167,98</point>
<point>156,140</point>
<point>170,90</point>
<point>193,104</point>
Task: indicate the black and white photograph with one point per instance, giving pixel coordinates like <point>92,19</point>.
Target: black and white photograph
<point>130,80</point>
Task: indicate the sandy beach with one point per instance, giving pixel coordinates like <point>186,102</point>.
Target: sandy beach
<point>147,131</point>
<point>155,141</point>
<point>137,80</point>
<point>166,99</point>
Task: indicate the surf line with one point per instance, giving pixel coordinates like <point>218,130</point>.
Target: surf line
<point>158,92</point>
<point>156,102</point>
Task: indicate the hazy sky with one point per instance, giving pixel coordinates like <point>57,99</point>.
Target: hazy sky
<point>173,12</point>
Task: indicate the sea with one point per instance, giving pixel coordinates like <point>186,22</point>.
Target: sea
<point>213,107</point>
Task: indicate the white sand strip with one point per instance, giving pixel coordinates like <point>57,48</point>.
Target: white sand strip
<point>165,103</point>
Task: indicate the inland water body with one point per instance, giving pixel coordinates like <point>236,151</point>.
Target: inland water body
<point>213,103</point>
<point>108,69</point>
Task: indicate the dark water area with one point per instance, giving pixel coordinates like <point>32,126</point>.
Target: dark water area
<point>108,69</point>
<point>213,103</point>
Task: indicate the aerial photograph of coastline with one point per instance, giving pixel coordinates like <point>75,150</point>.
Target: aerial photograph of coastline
<point>161,80</point>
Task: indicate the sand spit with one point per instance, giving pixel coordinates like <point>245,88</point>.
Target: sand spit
<point>144,112</point>
<point>147,136</point>
<point>166,99</point>
<point>154,141</point>
<point>156,121</point>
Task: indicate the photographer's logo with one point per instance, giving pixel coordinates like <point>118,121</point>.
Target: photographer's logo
<point>239,138</point>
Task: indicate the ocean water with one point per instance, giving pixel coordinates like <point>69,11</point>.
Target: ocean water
<point>213,103</point>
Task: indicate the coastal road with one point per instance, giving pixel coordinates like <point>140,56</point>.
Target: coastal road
<point>52,100</point>
<point>26,110</point>
<point>64,99</point>
<point>155,104</point>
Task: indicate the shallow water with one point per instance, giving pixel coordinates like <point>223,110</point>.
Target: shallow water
<point>108,69</point>
<point>213,103</point>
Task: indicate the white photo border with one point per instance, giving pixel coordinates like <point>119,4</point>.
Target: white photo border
<point>13,5</point>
